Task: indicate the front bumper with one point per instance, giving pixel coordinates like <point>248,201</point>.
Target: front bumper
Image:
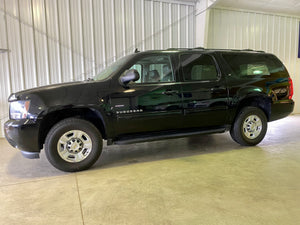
<point>281,109</point>
<point>31,155</point>
<point>23,135</point>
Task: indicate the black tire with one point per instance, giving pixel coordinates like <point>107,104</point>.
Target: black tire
<point>247,131</point>
<point>80,145</point>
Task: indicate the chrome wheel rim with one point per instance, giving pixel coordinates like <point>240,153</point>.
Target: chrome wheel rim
<point>74,146</point>
<point>252,126</point>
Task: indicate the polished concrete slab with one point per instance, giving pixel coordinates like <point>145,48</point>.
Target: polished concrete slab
<point>198,180</point>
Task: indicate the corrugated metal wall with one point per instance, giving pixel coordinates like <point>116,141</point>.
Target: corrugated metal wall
<point>277,34</point>
<point>53,41</point>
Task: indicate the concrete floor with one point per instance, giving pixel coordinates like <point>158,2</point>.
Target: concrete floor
<point>199,180</point>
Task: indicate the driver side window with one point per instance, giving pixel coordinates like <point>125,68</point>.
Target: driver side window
<point>154,69</point>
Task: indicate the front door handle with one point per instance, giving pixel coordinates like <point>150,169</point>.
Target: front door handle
<point>218,89</point>
<point>170,92</point>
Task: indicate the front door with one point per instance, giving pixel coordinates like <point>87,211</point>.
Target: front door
<point>153,103</point>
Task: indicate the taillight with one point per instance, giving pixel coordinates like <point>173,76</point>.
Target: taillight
<point>291,92</point>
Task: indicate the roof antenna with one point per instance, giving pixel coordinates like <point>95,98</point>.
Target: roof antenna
<point>136,50</point>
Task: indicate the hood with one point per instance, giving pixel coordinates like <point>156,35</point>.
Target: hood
<point>24,94</point>
<point>60,90</point>
<point>60,96</point>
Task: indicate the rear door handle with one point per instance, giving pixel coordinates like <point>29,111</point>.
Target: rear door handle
<point>170,92</point>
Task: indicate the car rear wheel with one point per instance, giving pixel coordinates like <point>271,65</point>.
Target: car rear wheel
<point>250,126</point>
<point>73,145</point>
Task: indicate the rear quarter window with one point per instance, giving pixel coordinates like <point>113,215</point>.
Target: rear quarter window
<point>248,65</point>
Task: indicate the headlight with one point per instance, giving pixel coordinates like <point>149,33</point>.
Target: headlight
<point>19,109</point>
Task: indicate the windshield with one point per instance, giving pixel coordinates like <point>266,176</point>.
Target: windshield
<point>112,68</point>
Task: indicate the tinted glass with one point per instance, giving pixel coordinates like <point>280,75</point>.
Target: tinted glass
<point>154,69</point>
<point>248,65</point>
<point>197,67</point>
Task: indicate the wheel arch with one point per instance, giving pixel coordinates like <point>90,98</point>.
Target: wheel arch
<point>52,118</point>
<point>260,101</point>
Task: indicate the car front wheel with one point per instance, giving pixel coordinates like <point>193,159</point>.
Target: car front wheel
<point>73,145</point>
<point>250,126</point>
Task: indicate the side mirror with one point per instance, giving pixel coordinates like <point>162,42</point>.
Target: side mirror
<point>128,76</point>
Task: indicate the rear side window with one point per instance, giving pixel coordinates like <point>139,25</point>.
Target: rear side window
<point>249,65</point>
<point>198,67</point>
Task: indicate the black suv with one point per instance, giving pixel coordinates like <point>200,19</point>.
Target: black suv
<point>148,96</point>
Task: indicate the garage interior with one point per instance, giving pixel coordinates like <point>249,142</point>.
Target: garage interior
<point>206,179</point>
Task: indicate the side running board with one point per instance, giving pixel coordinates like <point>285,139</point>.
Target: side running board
<point>130,139</point>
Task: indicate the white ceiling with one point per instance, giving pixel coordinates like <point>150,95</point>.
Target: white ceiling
<point>291,7</point>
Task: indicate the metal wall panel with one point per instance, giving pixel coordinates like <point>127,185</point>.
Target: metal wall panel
<point>4,69</point>
<point>64,24</point>
<point>14,42</point>
<point>54,41</point>
<point>27,38</point>
<point>41,48</point>
<point>276,34</point>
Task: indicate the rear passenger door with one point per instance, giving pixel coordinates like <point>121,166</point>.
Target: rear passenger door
<point>204,91</point>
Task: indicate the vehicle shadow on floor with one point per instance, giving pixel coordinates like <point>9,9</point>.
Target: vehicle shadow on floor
<point>121,155</point>
<point>113,156</point>
<point>28,169</point>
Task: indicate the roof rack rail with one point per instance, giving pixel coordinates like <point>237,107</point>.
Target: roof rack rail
<point>218,49</point>
<point>215,49</point>
<point>251,50</point>
<point>196,48</point>
<point>170,49</point>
